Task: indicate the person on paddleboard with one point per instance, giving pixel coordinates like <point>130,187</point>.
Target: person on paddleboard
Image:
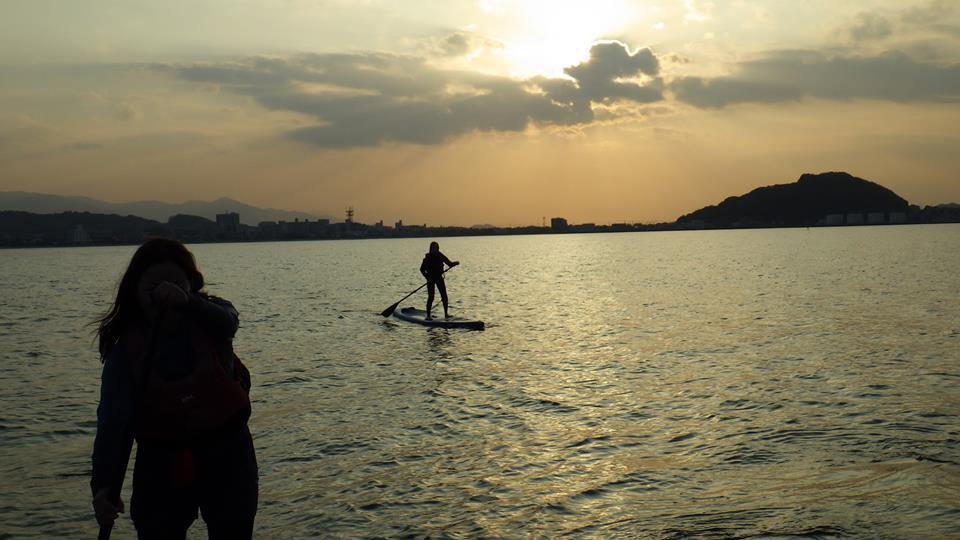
<point>432,269</point>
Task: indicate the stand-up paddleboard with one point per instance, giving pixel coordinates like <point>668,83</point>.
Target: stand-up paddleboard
<point>419,316</point>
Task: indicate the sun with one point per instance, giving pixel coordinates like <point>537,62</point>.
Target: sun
<point>549,35</point>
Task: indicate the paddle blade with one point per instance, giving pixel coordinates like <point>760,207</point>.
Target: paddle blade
<point>389,311</point>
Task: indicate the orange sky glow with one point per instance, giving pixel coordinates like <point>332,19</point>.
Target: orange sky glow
<point>477,112</point>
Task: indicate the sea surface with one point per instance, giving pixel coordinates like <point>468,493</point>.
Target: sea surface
<point>768,384</point>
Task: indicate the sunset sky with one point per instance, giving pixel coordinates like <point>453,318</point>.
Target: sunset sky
<point>481,111</point>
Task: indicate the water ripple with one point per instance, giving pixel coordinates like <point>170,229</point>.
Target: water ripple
<point>727,384</point>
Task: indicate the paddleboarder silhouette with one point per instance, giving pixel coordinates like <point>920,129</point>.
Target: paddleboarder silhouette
<point>432,269</point>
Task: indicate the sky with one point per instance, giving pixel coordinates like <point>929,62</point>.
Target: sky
<point>500,112</point>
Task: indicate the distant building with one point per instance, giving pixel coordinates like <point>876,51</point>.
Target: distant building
<point>318,228</point>
<point>229,222</point>
<point>833,219</point>
<point>897,217</point>
<point>398,225</point>
<point>558,223</point>
<point>80,235</point>
<point>855,219</point>
<point>876,218</point>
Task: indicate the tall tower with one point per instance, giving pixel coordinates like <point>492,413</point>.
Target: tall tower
<point>349,214</point>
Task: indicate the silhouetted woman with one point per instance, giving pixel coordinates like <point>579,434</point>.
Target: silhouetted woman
<point>171,382</point>
<point>432,269</point>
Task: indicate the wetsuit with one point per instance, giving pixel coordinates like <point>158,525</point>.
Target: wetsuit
<point>432,269</point>
<point>214,471</point>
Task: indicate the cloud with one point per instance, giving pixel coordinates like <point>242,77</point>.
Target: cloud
<point>117,107</point>
<point>870,26</point>
<point>603,77</point>
<point>458,44</point>
<point>694,13</point>
<point>932,12</point>
<point>368,99</point>
<point>926,21</point>
<point>937,17</point>
<point>795,75</point>
<point>127,111</point>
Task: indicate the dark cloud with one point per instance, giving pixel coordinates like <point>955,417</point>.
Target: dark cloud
<point>936,16</point>
<point>795,75</point>
<point>367,99</point>
<point>456,45</point>
<point>930,25</point>
<point>601,78</point>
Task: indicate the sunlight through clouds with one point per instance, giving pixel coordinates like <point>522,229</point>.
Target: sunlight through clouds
<point>109,96</point>
<point>553,35</point>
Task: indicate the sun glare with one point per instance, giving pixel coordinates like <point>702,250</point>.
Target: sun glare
<point>556,34</point>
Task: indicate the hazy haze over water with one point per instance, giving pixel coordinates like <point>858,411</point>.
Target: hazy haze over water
<point>760,383</point>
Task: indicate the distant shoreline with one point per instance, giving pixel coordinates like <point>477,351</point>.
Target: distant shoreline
<point>464,234</point>
<point>831,199</point>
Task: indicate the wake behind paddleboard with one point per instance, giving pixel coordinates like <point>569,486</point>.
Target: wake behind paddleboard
<point>418,316</point>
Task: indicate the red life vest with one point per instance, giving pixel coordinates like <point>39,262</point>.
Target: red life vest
<point>190,407</point>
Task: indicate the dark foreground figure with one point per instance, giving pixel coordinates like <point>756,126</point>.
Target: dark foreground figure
<point>432,269</point>
<point>171,382</point>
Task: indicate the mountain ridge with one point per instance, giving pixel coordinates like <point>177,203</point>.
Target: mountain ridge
<point>805,202</point>
<point>48,203</point>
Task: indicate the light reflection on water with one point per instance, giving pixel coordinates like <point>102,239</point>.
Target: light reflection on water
<point>779,383</point>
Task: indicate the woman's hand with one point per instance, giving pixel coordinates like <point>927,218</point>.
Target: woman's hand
<point>168,295</point>
<point>105,510</point>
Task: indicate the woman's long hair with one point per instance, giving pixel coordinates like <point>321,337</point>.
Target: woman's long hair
<point>126,309</point>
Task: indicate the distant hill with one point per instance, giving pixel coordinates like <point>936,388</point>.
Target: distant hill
<point>804,202</point>
<point>42,203</point>
<point>18,227</point>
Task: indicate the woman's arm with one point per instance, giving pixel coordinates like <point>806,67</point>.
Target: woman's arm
<point>115,414</point>
<point>217,315</point>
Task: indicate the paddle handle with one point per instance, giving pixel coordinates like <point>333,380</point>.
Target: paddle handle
<point>105,531</point>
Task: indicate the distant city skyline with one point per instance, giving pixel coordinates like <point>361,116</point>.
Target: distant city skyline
<point>848,195</point>
<point>467,112</point>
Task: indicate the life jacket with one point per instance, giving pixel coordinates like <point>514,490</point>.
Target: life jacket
<point>195,405</point>
<point>432,265</point>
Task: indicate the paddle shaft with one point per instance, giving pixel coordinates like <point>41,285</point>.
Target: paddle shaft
<point>389,311</point>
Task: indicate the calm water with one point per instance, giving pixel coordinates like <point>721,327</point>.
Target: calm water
<point>722,384</point>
